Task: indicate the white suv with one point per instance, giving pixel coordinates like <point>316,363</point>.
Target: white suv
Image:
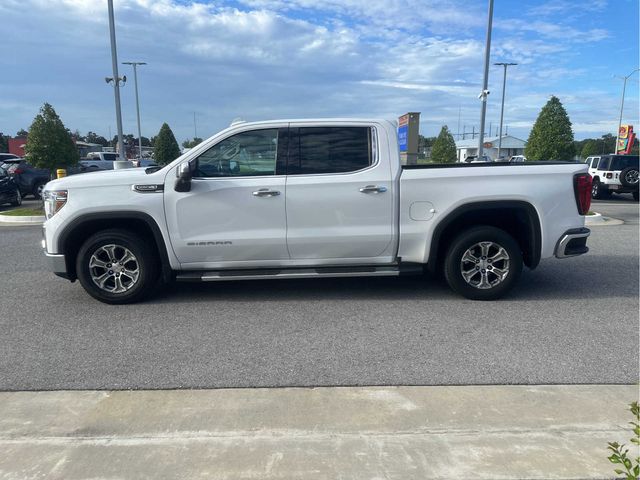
<point>613,173</point>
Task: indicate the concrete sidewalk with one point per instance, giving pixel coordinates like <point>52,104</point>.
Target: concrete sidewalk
<point>477,432</point>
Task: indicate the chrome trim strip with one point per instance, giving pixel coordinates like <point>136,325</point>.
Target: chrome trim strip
<point>564,241</point>
<point>213,277</point>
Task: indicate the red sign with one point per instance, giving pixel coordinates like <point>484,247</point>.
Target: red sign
<point>403,120</point>
<point>626,138</point>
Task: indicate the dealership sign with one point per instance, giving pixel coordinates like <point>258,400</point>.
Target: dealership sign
<point>403,132</point>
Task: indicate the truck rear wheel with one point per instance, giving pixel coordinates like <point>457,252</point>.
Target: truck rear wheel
<point>114,267</point>
<point>483,263</point>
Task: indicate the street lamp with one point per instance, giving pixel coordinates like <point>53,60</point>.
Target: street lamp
<point>135,81</point>
<point>504,85</point>
<point>624,87</point>
<point>116,84</point>
<point>485,83</point>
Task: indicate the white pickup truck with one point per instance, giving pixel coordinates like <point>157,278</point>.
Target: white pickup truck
<point>99,161</point>
<point>311,198</point>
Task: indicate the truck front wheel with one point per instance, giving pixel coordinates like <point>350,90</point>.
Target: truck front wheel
<point>483,263</point>
<point>115,266</point>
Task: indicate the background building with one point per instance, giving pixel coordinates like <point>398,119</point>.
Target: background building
<point>510,146</point>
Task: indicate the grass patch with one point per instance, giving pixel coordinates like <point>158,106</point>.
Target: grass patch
<point>24,212</point>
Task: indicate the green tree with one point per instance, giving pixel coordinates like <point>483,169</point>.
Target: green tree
<point>608,143</point>
<point>590,148</point>
<point>551,137</point>
<point>22,133</point>
<point>192,143</point>
<point>165,148</point>
<point>444,148</point>
<point>4,144</point>
<point>49,145</point>
<point>93,137</point>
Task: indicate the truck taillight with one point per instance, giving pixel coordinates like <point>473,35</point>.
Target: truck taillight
<point>582,190</point>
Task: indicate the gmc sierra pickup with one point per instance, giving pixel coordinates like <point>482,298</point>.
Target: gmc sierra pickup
<point>311,198</point>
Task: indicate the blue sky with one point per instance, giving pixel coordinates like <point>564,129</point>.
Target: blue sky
<point>262,59</point>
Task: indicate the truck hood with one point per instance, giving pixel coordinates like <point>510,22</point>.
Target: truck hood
<point>125,176</point>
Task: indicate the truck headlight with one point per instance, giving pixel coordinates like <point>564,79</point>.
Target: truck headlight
<point>54,200</point>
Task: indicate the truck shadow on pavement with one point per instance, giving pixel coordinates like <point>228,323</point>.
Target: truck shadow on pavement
<point>602,276</point>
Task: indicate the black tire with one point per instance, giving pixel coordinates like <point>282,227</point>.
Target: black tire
<point>629,177</point>
<point>37,190</point>
<point>494,286</point>
<point>18,200</point>
<point>598,191</point>
<point>146,262</point>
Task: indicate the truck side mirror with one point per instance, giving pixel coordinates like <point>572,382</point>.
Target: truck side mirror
<point>184,174</point>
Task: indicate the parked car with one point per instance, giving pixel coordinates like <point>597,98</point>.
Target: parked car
<point>7,156</point>
<point>98,161</point>
<point>613,174</point>
<point>9,191</point>
<point>518,159</point>
<point>475,159</point>
<point>311,198</point>
<point>30,180</point>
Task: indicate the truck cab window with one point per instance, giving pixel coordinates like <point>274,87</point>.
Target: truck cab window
<point>331,150</point>
<point>245,154</point>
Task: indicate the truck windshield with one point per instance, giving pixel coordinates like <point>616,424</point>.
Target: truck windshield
<point>110,156</point>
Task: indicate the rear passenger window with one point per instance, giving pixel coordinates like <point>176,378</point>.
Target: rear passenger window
<point>331,150</point>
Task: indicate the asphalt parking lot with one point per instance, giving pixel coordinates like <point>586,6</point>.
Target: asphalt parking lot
<point>569,321</point>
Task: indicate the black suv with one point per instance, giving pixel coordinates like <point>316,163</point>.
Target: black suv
<point>29,179</point>
<point>9,191</point>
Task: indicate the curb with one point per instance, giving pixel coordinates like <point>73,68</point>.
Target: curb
<point>24,220</point>
<point>599,220</point>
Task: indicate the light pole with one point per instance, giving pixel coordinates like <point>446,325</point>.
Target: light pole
<point>135,82</point>
<point>485,83</point>
<point>624,87</point>
<point>116,79</point>
<point>504,85</point>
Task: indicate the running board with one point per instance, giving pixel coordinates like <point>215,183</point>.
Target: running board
<point>284,273</point>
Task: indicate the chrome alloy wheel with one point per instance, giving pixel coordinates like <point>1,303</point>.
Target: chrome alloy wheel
<point>631,177</point>
<point>114,268</point>
<point>484,265</point>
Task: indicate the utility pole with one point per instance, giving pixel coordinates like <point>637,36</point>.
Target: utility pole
<point>195,127</point>
<point>624,87</point>
<point>116,79</point>
<point>135,81</point>
<point>504,85</point>
<point>485,82</point>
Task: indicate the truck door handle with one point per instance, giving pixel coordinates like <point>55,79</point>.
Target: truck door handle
<point>265,192</point>
<point>373,189</point>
